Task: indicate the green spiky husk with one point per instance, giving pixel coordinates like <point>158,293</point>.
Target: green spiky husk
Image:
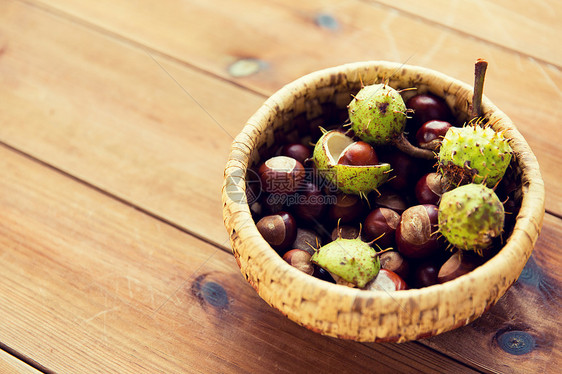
<point>471,216</point>
<point>377,114</point>
<point>350,259</point>
<point>349,179</point>
<point>474,154</point>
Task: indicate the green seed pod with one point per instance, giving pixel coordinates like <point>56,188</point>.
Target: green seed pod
<point>352,260</point>
<point>470,216</point>
<point>473,154</point>
<point>377,114</point>
<point>349,179</point>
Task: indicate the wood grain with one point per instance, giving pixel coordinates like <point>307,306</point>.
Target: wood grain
<point>530,309</point>
<point>91,284</point>
<point>526,89</point>
<point>512,25</point>
<point>11,365</point>
<point>117,117</point>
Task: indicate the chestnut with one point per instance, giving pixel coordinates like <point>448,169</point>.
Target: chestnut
<point>430,134</point>
<point>307,240</point>
<point>359,153</point>
<point>279,230</point>
<point>347,208</point>
<point>425,274</point>
<point>310,206</point>
<point>393,261</point>
<point>323,274</point>
<point>428,107</point>
<point>458,264</point>
<point>299,259</point>
<point>381,223</point>
<point>391,200</point>
<point>405,171</point>
<point>299,152</point>
<point>416,234</point>
<point>281,174</point>
<point>388,281</point>
<point>345,232</point>
<point>429,188</point>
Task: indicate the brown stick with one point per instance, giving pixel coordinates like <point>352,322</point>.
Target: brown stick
<point>479,74</point>
<point>405,146</point>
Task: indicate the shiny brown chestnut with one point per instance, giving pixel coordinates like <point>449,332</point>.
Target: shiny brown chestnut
<point>393,261</point>
<point>425,274</point>
<point>405,171</point>
<point>310,206</point>
<point>388,281</point>
<point>347,208</point>
<point>279,230</point>
<point>299,152</point>
<point>416,234</point>
<point>381,223</point>
<point>460,263</point>
<point>345,232</point>
<point>427,107</point>
<point>359,153</point>
<point>429,188</point>
<point>281,174</point>
<point>299,259</point>
<point>307,240</point>
<point>391,200</point>
<point>430,134</point>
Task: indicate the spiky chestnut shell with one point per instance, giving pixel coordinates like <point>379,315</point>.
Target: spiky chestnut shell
<point>470,216</point>
<point>377,114</point>
<point>474,154</point>
<point>349,179</point>
<point>352,260</point>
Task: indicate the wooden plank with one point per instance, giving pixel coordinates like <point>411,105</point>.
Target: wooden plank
<point>11,365</point>
<point>527,90</point>
<point>91,284</point>
<point>515,25</point>
<point>521,333</point>
<point>113,115</point>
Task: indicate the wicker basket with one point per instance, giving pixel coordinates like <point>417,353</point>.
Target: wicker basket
<point>349,313</point>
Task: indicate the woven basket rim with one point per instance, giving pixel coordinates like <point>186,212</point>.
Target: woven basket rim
<point>515,252</point>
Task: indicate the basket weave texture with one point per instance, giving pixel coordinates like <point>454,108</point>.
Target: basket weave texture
<point>349,313</point>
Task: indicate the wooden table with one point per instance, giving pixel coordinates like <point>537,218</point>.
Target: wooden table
<point>116,119</point>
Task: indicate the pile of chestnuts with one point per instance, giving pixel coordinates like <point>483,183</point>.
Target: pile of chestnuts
<point>298,209</point>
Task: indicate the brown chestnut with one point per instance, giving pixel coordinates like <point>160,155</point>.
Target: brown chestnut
<point>279,230</point>
<point>430,134</point>
<point>281,174</point>
<point>393,261</point>
<point>347,208</point>
<point>310,206</point>
<point>405,171</point>
<point>381,223</point>
<point>425,274</point>
<point>416,234</point>
<point>429,188</point>
<point>299,152</point>
<point>345,232</point>
<point>307,240</point>
<point>299,259</point>
<point>458,264</point>
<point>359,153</point>
<point>391,200</point>
<point>388,281</point>
<point>427,107</point>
